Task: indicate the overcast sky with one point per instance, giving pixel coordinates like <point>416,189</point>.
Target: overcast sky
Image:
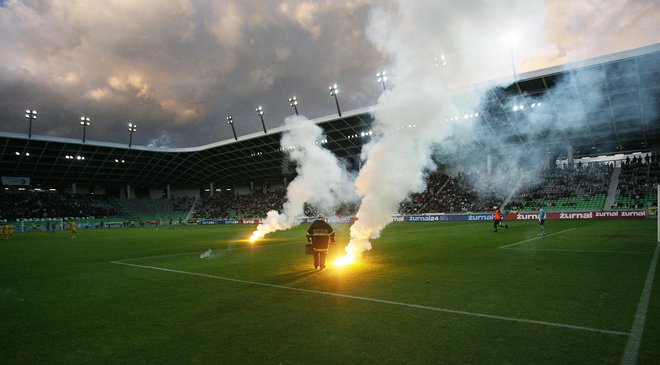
<point>178,68</point>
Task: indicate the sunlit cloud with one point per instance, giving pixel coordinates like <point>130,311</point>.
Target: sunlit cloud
<point>164,63</point>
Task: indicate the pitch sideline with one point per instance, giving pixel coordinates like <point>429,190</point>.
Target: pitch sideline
<point>631,351</point>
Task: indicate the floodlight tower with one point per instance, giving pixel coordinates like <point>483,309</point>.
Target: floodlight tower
<point>230,121</point>
<point>30,115</point>
<point>85,122</point>
<point>382,78</point>
<point>132,128</point>
<point>511,42</point>
<point>260,113</point>
<point>334,90</point>
<point>293,102</point>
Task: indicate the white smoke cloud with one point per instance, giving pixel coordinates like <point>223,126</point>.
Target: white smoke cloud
<point>446,56</point>
<point>559,113</point>
<point>322,181</point>
<point>418,111</point>
<point>206,254</point>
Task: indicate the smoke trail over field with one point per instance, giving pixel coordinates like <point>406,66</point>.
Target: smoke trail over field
<point>439,51</point>
<point>418,112</point>
<point>321,180</point>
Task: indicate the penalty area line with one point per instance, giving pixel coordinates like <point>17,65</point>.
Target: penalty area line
<point>537,238</point>
<point>382,301</point>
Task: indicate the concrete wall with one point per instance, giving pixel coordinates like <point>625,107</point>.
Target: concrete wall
<point>99,190</point>
<point>242,190</point>
<point>181,192</point>
<point>157,193</point>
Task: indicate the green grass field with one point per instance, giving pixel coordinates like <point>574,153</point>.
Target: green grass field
<point>427,293</point>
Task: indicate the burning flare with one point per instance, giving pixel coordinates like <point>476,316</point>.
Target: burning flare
<point>256,235</point>
<point>345,260</point>
<point>274,222</point>
<point>354,250</point>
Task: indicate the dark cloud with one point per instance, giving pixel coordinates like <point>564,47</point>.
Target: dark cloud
<point>178,68</point>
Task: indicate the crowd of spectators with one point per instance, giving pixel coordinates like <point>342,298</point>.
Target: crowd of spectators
<point>232,206</point>
<point>562,187</point>
<point>239,206</point>
<point>461,195</point>
<point>456,193</point>
<point>344,209</point>
<point>637,182</point>
<point>416,202</point>
<point>30,204</point>
<point>450,194</point>
<point>182,203</point>
<point>579,181</point>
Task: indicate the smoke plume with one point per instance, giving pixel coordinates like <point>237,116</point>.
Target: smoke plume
<point>449,60</point>
<point>322,180</point>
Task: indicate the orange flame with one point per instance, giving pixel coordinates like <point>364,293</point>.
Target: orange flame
<point>256,235</point>
<point>345,260</point>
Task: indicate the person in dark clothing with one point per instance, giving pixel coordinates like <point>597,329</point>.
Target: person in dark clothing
<point>320,234</point>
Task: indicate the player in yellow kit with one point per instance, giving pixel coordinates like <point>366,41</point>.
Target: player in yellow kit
<point>7,231</point>
<point>73,230</point>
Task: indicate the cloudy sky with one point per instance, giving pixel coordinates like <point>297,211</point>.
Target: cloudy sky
<point>178,68</point>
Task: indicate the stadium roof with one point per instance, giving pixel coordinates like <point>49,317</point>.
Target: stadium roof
<point>628,121</point>
<point>255,157</point>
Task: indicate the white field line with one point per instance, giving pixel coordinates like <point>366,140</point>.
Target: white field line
<point>537,238</point>
<point>629,356</point>
<point>589,251</point>
<point>159,256</point>
<point>444,310</point>
<point>218,249</point>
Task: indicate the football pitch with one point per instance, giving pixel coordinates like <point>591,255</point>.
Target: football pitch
<point>427,293</point>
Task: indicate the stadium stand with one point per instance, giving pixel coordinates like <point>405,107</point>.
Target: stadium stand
<point>450,194</point>
<point>566,188</point>
<point>182,203</point>
<point>239,206</point>
<point>582,187</point>
<point>29,204</point>
<point>148,209</point>
<point>637,183</point>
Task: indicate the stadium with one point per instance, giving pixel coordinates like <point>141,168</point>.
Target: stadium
<point>159,268</point>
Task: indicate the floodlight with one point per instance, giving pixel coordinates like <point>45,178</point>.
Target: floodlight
<point>132,127</point>
<point>30,115</point>
<point>260,112</point>
<point>85,122</point>
<point>230,121</point>
<point>293,102</point>
<point>382,78</point>
<point>334,90</point>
